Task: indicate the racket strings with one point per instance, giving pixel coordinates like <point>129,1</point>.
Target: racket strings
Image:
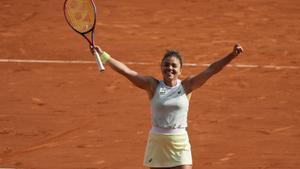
<point>80,14</point>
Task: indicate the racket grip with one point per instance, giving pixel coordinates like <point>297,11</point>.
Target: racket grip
<point>99,62</point>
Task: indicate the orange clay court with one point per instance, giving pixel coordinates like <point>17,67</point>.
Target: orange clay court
<point>70,116</point>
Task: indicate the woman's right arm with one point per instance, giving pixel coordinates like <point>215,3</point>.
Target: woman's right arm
<point>147,83</point>
<point>143,82</point>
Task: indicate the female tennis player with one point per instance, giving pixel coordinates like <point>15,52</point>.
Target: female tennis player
<point>168,144</point>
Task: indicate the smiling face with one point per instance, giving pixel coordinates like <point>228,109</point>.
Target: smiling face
<point>171,69</point>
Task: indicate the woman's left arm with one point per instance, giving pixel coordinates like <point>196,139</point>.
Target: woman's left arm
<point>193,82</point>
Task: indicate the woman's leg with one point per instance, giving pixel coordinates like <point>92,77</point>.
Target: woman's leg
<point>178,167</point>
<point>182,167</point>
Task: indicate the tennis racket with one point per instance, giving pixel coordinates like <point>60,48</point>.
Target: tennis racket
<point>81,16</point>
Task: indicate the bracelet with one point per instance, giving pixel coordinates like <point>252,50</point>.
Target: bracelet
<point>105,57</point>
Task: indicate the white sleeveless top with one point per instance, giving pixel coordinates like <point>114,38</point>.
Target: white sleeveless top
<point>169,106</point>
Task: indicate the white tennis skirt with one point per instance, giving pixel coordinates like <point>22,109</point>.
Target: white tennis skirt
<point>168,150</point>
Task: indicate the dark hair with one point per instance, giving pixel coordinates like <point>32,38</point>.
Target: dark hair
<point>172,53</point>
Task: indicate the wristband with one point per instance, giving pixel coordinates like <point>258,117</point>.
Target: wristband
<point>105,57</point>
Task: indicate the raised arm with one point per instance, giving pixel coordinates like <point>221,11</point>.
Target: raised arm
<point>147,83</point>
<point>193,82</point>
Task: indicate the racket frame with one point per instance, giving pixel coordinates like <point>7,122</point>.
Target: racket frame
<point>91,32</point>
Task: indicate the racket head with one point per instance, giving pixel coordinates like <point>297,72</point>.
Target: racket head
<point>80,15</point>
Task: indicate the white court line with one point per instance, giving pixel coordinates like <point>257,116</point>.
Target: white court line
<point>143,63</point>
<point>46,61</point>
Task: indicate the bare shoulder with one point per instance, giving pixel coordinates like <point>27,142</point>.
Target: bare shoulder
<point>195,81</point>
<point>186,83</point>
<point>153,82</point>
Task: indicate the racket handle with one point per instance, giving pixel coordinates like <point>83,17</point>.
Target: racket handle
<point>99,62</point>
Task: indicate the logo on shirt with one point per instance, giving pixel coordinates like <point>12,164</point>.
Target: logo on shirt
<point>162,91</point>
